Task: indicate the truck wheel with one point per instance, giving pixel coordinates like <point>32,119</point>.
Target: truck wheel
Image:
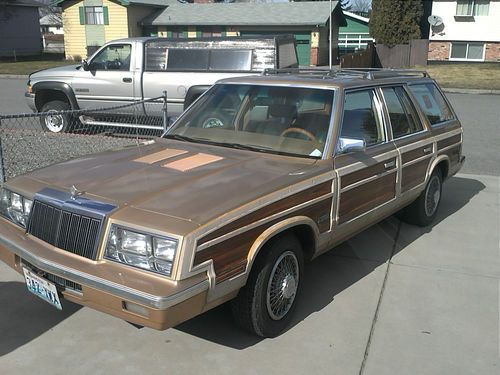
<point>423,211</point>
<point>54,121</point>
<point>266,304</point>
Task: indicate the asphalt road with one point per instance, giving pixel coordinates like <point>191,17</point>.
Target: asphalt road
<point>480,116</point>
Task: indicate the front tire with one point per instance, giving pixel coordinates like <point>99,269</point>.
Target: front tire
<point>55,122</point>
<point>423,211</point>
<point>266,304</point>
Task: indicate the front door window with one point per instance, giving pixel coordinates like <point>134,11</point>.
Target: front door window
<point>113,57</point>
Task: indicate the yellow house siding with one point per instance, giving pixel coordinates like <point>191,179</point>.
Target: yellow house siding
<point>118,22</point>
<point>74,33</point>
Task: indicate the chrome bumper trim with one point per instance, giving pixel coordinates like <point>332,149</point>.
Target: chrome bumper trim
<point>129,294</point>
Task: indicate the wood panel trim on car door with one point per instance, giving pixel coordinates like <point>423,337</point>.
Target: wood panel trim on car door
<point>367,181</point>
<point>417,151</point>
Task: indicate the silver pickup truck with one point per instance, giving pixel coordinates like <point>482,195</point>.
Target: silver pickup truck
<point>128,70</point>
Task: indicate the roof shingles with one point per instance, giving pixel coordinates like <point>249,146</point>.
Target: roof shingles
<point>251,14</point>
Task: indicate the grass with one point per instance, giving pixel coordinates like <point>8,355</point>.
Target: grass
<point>484,76</point>
<point>27,65</point>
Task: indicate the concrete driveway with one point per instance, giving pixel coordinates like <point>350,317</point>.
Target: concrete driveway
<point>396,299</point>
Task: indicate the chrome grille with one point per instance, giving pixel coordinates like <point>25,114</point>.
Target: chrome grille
<point>70,231</point>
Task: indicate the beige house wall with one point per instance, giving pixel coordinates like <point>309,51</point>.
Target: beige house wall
<point>74,40</point>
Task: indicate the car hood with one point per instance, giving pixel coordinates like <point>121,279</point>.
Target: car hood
<point>65,71</point>
<point>189,181</point>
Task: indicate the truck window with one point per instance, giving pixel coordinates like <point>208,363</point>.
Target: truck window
<point>230,60</point>
<point>187,59</point>
<point>287,55</point>
<point>112,57</point>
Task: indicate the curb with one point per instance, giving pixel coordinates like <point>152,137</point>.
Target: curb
<point>450,90</point>
<point>13,76</point>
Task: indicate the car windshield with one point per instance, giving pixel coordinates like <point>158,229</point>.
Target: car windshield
<point>274,119</point>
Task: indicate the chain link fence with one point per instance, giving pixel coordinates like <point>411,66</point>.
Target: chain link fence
<point>35,140</point>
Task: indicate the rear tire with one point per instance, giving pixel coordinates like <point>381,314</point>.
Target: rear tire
<point>424,210</point>
<point>266,304</point>
<point>56,122</point>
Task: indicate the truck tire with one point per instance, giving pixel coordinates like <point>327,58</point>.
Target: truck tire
<point>424,209</point>
<point>56,122</point>
<point>265,305</point>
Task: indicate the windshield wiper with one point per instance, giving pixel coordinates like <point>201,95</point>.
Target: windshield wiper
<point>179,137</point>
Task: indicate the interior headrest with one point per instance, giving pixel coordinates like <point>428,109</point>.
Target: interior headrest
<point>283,110</point>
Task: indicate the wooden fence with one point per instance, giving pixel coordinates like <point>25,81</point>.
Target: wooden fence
<point>382,56</point>
<point>363,59</point>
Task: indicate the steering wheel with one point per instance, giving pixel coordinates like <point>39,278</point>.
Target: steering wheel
<point>307,133</point>
<point>212,122</point>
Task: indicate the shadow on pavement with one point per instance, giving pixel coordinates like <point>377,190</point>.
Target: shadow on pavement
<point>337,270</point>
<point>25,316</point>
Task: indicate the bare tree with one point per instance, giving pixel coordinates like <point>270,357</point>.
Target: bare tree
<point>361,6</point>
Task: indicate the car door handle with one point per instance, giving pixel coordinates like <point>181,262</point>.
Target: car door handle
<point>427,150</point>
<point>390,164</point>
<point>127,80</point>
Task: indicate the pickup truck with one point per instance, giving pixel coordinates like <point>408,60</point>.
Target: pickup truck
<point>129,70</point>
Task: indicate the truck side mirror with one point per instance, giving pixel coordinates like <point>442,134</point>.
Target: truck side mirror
<point>85,65</point>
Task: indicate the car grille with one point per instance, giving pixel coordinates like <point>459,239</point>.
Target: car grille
<point>76,233</point>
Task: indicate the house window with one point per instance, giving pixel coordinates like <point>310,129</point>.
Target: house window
<point>177,33</point>
<point>94,16</point>
<point>473,7</point>
<point>467,51</point>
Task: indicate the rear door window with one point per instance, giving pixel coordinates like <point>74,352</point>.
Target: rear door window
<point>404,120</point>
<point>432,103</point>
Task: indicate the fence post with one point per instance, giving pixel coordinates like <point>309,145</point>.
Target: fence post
<point>165,113</point>
<point>2,169</point>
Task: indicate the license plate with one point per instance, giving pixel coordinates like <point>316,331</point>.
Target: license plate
<point>42,288</point>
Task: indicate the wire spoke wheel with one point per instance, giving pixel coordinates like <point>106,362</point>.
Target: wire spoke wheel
<point>282,286</point>
<point>432,196</point>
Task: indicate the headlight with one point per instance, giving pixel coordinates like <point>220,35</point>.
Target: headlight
<point>15,207</point>
<point>142,250</point>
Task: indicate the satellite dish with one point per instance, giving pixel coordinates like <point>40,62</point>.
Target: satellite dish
<point>435,20</point>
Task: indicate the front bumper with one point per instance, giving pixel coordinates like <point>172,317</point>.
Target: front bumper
<point>108,286</point>
<point>30,100</point>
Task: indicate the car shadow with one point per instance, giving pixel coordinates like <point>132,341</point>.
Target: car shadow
<point>331,273</point>
<point>24,317</point>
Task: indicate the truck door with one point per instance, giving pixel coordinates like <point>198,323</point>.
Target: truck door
<point>109,80</point>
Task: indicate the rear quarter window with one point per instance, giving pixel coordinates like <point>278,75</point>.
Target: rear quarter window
<point>432,103</point>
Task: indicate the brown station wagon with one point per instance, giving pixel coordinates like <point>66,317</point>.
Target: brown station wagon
<point>260,175</point>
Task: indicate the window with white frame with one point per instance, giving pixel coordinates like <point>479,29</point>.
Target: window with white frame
<point>94,16</point>
<point>467,51</point>
<point>473,7</point>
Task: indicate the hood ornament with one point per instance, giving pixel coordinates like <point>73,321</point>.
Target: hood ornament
<point>75,193</point>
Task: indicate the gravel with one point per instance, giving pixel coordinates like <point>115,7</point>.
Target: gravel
<point>25,150</point>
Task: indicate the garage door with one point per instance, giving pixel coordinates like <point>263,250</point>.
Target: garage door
<point>303,42</point>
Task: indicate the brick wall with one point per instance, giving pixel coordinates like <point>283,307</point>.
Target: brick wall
<point>439,51</point>
<point>492,52</point>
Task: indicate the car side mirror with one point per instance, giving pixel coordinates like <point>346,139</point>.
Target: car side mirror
<point>346,145</point>
<point>85,65</point>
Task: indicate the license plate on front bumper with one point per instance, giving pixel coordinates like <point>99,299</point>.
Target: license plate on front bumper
<point>42,288</point>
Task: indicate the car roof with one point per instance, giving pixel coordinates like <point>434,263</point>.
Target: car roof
<point>330,78</point>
